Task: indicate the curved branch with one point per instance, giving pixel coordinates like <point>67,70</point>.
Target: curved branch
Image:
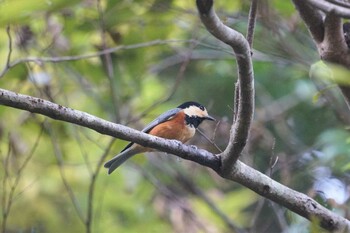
<point>328,7</point>
<point>241,173</point>
<point>245,112</point>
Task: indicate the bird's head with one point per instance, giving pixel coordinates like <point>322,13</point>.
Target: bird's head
<point>195,113</point>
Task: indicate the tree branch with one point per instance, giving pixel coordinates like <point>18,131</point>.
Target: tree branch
<point>328,7</point>
<point>10,65</point>
<point>58,112</point>
<point>251,22</point>
<point>245,108</point>
<point>312,18</point>
<point>241,173</point>
<point>289,198</point>
<point>327,33</point>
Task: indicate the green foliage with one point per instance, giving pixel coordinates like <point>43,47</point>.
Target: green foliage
<point>174,59</point>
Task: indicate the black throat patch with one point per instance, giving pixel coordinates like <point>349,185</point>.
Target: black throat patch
<point>193,120</point>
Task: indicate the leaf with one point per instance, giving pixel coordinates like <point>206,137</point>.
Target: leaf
<point>16,11</point>
<point>330,72</point>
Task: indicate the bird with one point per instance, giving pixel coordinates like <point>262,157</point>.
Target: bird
<point>177,124</point>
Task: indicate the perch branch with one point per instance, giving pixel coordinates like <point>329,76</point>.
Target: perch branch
<point>58,112</point>
<point>241,173</point>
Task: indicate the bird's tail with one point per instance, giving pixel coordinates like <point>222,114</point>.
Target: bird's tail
<point>119,159</point>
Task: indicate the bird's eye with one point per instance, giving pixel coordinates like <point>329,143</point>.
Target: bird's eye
<point>201,108</point>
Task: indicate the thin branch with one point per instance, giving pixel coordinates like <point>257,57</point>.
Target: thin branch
<point>245,108</point>
<point>60,163</point>
<point>89,55</point>
<point>4,189</point>
<point>251,22</point>
<point>90,207</point>
<point>212,142</point>
<point>9,199</point>
<point>192,187</point>
<point>108,64</point>
<point>8,31</point>
<point>178,79</point>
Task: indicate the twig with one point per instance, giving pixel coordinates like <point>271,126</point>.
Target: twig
<point>4,189</point>
<point>8,59</point>
<point>211,204</point>
<point>90,55</point>
<point>209,140</point>
<point>273,159</point>
<point>9,199</point>
<point>90,201</point>
<point>178,79</point>
<point>8,31</point>
<point>251,22</point>
<point>108,64</point>
<point>58,155</point>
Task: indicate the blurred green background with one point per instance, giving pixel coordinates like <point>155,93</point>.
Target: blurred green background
<point>50,176</point>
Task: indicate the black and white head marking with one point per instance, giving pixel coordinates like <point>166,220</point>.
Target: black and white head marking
<point>195,113</point>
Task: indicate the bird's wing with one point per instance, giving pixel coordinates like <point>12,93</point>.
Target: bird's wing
<point>162,118</point>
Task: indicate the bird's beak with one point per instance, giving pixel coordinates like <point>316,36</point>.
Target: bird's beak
<point>210,118</point>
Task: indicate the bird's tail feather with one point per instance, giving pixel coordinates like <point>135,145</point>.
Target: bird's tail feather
<point>119,159</point>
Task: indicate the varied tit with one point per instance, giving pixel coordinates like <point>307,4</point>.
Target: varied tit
<point>179,124</point>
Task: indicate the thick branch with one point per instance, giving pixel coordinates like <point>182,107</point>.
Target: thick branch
<point>329,7</point>
<point>333,47</point>
<point>240,129</point>
<point>241,173</point>
<point>327,33</point>
<point>312,18</point>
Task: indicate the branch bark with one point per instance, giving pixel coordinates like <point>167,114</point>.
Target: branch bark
<point>241,173</point>
<point>327,33</point>
<point>328,7</point>
<point>245,109</point>
<point>232,168</point>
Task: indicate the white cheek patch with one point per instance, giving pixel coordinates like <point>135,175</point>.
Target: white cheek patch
<point>195,111</point>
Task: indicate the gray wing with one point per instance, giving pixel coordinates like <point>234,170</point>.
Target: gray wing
<point>162,118</point>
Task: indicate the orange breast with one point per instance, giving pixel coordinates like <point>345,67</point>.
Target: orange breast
<point>175,128</point>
